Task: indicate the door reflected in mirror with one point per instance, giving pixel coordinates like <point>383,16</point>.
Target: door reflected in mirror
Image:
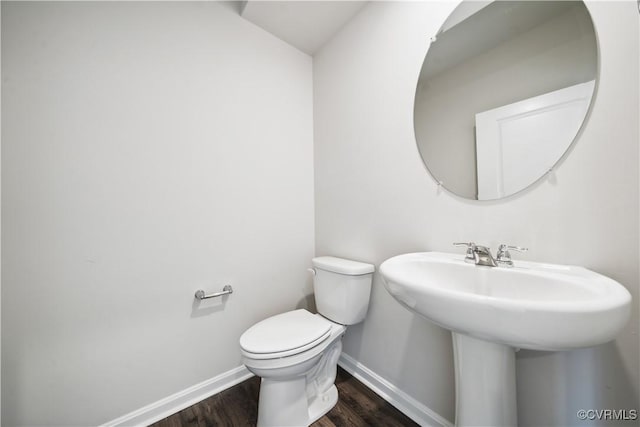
<point>503,92</point>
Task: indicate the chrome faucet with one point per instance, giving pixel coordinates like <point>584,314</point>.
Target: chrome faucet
<point>481,255</point>
<point>478,255</point>
<point>504,256</point>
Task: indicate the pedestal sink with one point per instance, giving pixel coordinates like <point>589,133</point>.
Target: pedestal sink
<point>492,311</point>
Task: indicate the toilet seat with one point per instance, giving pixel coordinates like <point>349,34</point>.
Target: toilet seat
<point>285,334</point>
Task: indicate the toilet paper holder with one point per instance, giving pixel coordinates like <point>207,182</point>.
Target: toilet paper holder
<point>225,291</point>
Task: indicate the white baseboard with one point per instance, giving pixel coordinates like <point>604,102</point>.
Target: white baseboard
<point>183,399</point>
<point>392,394</point>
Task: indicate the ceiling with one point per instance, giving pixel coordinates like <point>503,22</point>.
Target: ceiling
<point>307,25</point>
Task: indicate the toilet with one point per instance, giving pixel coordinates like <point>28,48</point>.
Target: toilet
<point>296,353</point>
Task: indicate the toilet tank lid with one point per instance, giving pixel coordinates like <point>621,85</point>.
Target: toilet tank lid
<point>342,266</point>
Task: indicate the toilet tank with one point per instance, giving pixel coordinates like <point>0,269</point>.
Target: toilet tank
<point>342,288</point>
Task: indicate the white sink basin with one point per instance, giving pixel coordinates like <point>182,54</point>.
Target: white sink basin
<point>493,310</point>
<point>532,305</point>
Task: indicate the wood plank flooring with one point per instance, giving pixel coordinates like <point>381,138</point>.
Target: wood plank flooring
<point>357,406</point>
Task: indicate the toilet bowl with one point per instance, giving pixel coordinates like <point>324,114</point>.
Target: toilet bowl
<point>296,353</point>
<point>298,377</point>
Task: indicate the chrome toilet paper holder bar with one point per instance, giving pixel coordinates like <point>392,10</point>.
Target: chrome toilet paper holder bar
<point>225,291</point>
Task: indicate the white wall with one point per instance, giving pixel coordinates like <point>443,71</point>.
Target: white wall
<point>149,149</point>
<point>374,199</point>
<point>0,226</point>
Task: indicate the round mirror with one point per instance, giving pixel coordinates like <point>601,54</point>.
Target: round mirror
<point>503,91</point>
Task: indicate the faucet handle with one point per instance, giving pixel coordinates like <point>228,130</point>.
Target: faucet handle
<point>464,244</point>
<point>504,256</point>
<point>471,249</point>
<point>507,248</point>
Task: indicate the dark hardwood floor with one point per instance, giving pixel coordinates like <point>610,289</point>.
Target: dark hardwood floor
<point>357,406</point>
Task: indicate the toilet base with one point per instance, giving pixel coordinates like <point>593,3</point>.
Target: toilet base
<point>323,404</point>
<point>284,404</point>
<point>298,401</point>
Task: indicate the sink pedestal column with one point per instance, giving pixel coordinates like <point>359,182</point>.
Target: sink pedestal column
<point>485,382</point>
